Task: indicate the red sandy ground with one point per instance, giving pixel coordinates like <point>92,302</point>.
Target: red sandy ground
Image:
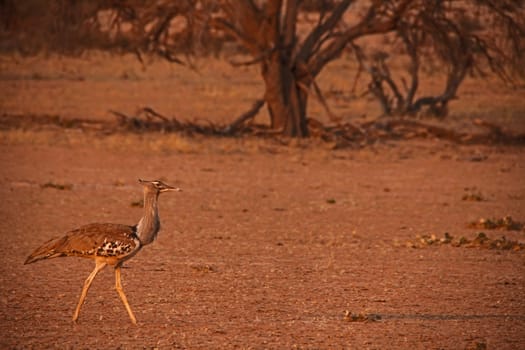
<point>252,254</point>
<point>267,246</point>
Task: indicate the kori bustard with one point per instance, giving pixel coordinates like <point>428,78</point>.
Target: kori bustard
<point>108,244</point>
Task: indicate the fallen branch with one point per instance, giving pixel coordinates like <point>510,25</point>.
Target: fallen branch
<point>119,115</point>
<point>400,128</point>
<point>250,114</point>
<point>342,135</point>
<point>152,112</point>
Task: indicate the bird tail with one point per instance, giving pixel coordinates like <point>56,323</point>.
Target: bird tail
<point>48,250</point>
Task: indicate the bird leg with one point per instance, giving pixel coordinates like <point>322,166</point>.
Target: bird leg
<point>118,287</point>
<point>99,266</point>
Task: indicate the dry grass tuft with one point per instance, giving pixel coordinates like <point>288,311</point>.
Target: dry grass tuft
<point>125,142</point>
<point>505,223</point>
<point>62,187</point>
<point>480,241</point>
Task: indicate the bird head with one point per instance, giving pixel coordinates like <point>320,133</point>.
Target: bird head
<point>158,186</point>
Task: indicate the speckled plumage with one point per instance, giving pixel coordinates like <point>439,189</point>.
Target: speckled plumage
<point>115,242</point>
<point>108,244</point>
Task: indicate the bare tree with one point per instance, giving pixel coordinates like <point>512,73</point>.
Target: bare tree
<point>465,36</point>
<point>290,63</point>
<point>268,31</point>
<point>462,36</point>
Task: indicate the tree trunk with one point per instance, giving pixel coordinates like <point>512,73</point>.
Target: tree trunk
<point>285,97</point>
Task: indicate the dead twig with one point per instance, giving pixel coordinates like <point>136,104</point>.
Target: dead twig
<point>119,115</point>
<point>322,100</point>
<point>250,114</point>
<point>152,112</point>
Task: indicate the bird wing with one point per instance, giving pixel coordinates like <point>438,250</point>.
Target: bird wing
<point>92,240</point>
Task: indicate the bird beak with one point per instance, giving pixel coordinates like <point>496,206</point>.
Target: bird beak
<point>164,187</point>
<point>171,189</point>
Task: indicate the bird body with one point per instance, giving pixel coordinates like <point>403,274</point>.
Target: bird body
<point>108,244</point>
<point>111,243</point>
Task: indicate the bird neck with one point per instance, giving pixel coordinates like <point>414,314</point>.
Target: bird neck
<point>149,225</point>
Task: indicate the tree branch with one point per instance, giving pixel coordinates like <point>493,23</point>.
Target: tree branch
<point>289,24</point>
<point>315,35</point>
<point>368,25</point>
<point>251,113</point>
